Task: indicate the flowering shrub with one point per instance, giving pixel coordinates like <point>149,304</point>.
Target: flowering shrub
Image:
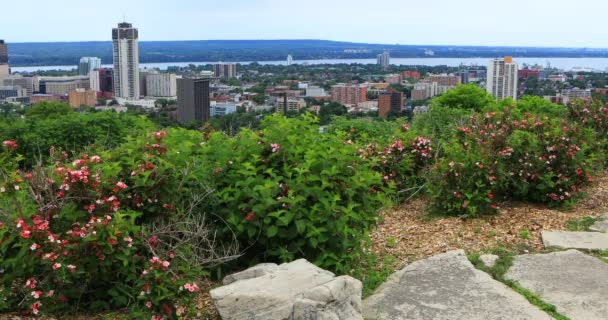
<point>290,191</point>
<point>69,240</point>
<point>500,155</point>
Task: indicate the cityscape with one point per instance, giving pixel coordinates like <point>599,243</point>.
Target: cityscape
<point>322,160</point>
<point>387,90</point>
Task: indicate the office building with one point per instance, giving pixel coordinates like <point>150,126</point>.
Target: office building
<point>392,78</point>
<point>293,105</point>
<point>82,97</point>
<point>193,100</point>
<point>384,59</point>
<point>5,72</point>
<point>20,82</point>
<point>143,76</point>
<point>125,45</point>
<point>390,102</point>
<point>161,85</point>
<point>315,91</point>
<point>3,52</point>
<point>349,94</point>
<point>62,85</point>
<point>289,60</point>
<point>502,78</point>
<point>224,71</point>
<point>106,83</point>
<point>88,64</point>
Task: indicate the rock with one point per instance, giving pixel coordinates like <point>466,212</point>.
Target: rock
<point>253,272</point>
<point>443,287</point>
<point>601,225</point>
<point>489,260</point>
<point>293,291</point>
<point>575,240</point>
<point>577,284</point>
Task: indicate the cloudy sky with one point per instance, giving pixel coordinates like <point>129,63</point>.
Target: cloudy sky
<point>564,23</point>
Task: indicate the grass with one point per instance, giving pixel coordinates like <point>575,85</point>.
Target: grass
<point>373,271</point>
<point>524,234</point>
<point>580,224</point>
<point>498,272</point>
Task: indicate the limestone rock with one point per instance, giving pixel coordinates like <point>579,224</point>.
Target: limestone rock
<point>489,260</point>
<point>575,240</point>
<point>253,272</point>
<point>601,225</point>
<point>577,284</point>
<point>293,291</point>
<point>443,287</point>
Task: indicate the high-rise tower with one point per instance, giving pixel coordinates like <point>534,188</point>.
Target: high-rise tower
<point>125,44</point>
<point>3,53</point>
<point>502,78</point>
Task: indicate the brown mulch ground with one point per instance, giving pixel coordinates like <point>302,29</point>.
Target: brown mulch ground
<point>409,235</point>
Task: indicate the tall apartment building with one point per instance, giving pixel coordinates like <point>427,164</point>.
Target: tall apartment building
<point>193,103</point>
<point>3,52</point>
<point>384,59</point>
<point>349,94</point>
<point>161,85</point>
<point>125,44</point>
<point>293,105</point>
<point>502,78</point>
<point>224,71</point>
<point>88,64</point>
<point>390,102</point>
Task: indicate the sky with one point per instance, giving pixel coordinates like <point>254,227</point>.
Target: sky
<point>557,23</point>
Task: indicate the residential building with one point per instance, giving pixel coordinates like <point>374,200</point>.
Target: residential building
<point>465,76</point>
<point>36,98</point>
<point>82,97</point>
<point>393,78</point>
<point>293,105</point>
<point>384,59</point>
<point>161,85</point>
<point>349,94</point>
<point>424,90</point>
<point>224,71</point>
<point>448,80</point>
<point>502,78</point>
<point>527,73</point>
<point>222,109</point>
<point>94,81</point>
<point>193,100</point>
<point>410,75</point>
<point>390,102</point>
<point>315,91</point>
<point>62,85</point>
<point>289,60</point>
<point>125,44</point>
<point>572,94</point>
<point>3,52</point>
<point>88,64</point>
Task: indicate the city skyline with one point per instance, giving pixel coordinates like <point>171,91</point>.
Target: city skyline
<point>442,22</point>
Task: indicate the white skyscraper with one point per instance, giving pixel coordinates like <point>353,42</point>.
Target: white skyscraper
<point>384,59</point>
<point>289,60</point>
<point>88,64</point>
<point>125,44</point>
<point>502,78</point>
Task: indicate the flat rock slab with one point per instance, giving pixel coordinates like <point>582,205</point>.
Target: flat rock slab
<point>600,226</point>
<point>575,240</point>
<point>577,284</point>
<point>443,287</point>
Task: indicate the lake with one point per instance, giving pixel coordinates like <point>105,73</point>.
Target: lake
<point>596,64</point>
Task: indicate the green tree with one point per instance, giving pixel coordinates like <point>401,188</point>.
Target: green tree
<point>331,109</point>
<point>469,97</point>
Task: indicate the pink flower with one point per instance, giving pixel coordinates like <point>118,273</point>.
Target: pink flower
<point>34,246</point>
<point>275,147</point>
<point>191,287</point>
<point>9,144</point>
<point>166,264</point>
<point>35,307</point>
<point>250,216</point>
<point>56,266</point>
<point>149,304</point>
<point>95,159</point>
<point>121,185</point>
<point>36,294</point>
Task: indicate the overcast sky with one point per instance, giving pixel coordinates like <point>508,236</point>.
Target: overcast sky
<point>563,23</point>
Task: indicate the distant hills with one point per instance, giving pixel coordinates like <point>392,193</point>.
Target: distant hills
<point>68,53</point>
